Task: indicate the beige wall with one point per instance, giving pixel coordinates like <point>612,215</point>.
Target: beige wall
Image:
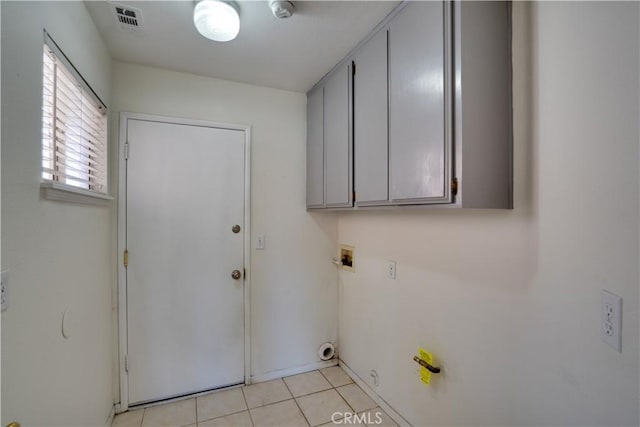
<point>509,301</point>
<point>57,254</point>
<point>293,283</point>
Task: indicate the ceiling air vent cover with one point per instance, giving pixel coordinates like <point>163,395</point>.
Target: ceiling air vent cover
<point>127,17</point>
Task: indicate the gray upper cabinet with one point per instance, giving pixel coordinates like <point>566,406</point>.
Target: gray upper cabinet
<point>315,148</point>
<point>483,108</point>
<point>329,142</point>
<point>420,113</point>
<point>337,138</point>
<point>370,127</point>
<point>420,149</point>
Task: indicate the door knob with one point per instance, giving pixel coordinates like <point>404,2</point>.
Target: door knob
<point>235,228</point>
<point>236,274</point>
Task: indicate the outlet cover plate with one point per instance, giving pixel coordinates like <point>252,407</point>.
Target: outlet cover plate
<point>260,241</point>
<point>391,270</point>
<point>611,320</point>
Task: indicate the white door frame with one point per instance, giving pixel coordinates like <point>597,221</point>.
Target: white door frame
<point>122,235</point>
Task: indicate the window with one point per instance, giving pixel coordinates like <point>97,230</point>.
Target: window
<point>74,127</point>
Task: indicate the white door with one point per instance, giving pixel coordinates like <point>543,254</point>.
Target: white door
<point>185,312</point>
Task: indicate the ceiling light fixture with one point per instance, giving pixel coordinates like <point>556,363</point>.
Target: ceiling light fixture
<point>217,20</point>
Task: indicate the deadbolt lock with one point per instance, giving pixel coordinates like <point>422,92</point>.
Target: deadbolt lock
<point>236,274</point>
<point>235,228</point>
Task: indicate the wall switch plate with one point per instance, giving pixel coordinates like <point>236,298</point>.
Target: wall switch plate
<point>4,291</point>
<point>611,320</point>
<point>391,270</point>
<point>260,241</point>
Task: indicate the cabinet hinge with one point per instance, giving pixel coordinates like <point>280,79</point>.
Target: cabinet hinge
<point>126,363</point>
<point>126,151</point>
<point>125,258</point>
<point>454,186</point>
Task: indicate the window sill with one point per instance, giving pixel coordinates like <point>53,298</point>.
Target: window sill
<point>67,193</point>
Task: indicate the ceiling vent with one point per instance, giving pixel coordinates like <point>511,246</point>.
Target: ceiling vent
<point>127,17</point>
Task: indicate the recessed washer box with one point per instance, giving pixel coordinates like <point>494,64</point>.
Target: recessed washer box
<point>346,258</point>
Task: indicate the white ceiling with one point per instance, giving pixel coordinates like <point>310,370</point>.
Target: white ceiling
<point>290,54</point>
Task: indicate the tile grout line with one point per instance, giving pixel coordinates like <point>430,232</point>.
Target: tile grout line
<point>309,394</point>
<point>336,386</point>
<point>247,404</point>
<point>196,402</point>
<point>325,377</point>
<point>296,402</point>
<point>228,415</point>
<point>336,389</point>
<point>321,391</point>
<point>313,392</point>
<point>271,403</point>
<point>345,399</point>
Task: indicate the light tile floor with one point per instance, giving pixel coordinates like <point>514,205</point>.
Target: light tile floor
<point>303,400</point>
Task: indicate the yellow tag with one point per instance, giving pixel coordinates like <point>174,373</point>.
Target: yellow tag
<point>425,375</point>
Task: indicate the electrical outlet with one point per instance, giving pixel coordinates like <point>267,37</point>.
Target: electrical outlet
<point>391,270</point>
<point>611,320</point>
<point>608,311</point>
<point>4,294</point>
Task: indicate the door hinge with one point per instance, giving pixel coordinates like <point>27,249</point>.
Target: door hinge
<point>354,196</point>
<point>244,273</point>
<point>126,363</point>
<point>125,258</point>
<point>454,186</point>
<point>126,151</point>
<point>353,68</point>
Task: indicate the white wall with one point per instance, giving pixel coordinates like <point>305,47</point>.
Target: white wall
<point>509,300</point>
<point>57,254</point>
<point>293,283</point>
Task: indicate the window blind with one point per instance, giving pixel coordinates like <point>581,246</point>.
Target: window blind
<point>74,126</point>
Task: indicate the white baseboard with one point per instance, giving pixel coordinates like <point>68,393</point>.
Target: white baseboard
<point>292,371</point>
<point>112,414</point>
<point>376,398</point>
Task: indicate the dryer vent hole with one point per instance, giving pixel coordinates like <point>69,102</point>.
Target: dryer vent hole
<point>327,353</point>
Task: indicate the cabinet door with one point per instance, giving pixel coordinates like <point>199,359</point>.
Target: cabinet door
<point>419,143</point>
<point>370,134</point>
<point>337,138</point>
<point>315,148</point>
